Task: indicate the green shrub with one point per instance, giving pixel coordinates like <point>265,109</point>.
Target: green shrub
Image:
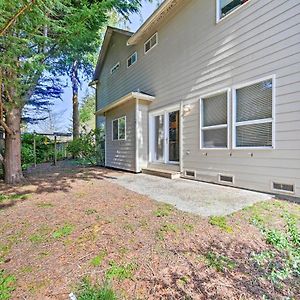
<point>86,147</point>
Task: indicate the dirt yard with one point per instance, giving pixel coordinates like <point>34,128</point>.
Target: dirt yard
<point>69,223</point>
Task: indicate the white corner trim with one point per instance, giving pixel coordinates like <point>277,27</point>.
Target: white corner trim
<point>137,165</point>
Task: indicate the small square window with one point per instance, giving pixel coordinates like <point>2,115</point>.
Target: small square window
<point>225,7</point>
<point>132,59</point>
<point>115,68</point>
<point>151,43</point>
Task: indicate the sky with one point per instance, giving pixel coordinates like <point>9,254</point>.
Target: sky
<point>62,110</point>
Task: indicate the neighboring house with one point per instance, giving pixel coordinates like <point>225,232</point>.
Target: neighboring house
<point>210,89</point>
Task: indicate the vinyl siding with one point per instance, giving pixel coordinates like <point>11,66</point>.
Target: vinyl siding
<point>121,154</point>
<point>195,56</point>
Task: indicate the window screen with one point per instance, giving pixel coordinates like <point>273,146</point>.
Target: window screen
<point>254,115</point>
<point>227,6</point>
<point>214,121</point>
<point>132,59</point>
<point>150,43</point>
<point>119,129</point>
<point>254,102</point>
<point>122,128</point>
<point>215,110</point>
<point>115,129</point>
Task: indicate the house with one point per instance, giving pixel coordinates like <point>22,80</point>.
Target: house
<point>208,89</point>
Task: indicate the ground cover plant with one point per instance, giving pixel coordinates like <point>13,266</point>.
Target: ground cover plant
<point>80,233</point>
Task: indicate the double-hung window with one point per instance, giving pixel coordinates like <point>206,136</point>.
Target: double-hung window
<point>214,121</point>
<point>132,59</point>
<point>225,7</point>
<point>253,115</point>
<point>119,129</point>
<point>151,43</point>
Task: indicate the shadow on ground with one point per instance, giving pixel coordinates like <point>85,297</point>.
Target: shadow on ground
<point>47,178</point>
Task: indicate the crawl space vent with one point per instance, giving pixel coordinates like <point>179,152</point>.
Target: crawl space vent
<point>225,178</point>
<point>283,187</point>
<point>190,173</point>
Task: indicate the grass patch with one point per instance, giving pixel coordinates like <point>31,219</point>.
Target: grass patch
<point>120,272</point>
<point>283,261</point>
<point>166,229</point>
<point>97,260</point>
<point>13,197</point>
<point>89,291</point>
<point>63,231</point>
<point>219,262</point>
<point>164,210</point>
<point>41,235</point>
<point>221,222</point>
<point>44,205</point>
<point>7,285</point>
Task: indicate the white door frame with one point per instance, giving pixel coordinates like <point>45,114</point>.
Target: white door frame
<point>165,112</point>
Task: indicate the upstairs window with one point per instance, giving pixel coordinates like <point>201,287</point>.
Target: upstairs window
<point>253,115</point>
<point>119,129</point>
<point>151,43</point>
<point>132,59</point>
<point>225,7</point>
<point>115,68</point>
<point>214,121</point>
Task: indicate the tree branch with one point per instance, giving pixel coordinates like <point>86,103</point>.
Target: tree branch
<point>15,17</point>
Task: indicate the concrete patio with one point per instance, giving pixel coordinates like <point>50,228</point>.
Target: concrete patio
<point>201,198</point>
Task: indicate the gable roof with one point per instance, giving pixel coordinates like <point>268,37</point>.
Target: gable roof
<point>107,37</point>
<point>150,24</point>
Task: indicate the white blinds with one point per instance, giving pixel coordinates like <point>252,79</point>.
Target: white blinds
<point>215,110</point>
<point>214,121</point>
<point>254,115</point>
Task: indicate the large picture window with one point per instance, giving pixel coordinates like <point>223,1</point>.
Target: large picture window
<point>119,129</point>
<point>214,121</point>
<point>253,115</point>
<point>225,7</point>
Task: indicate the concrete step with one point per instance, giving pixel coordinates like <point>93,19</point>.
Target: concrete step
<point>161,173</point>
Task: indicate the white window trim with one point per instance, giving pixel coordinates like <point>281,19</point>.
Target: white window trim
<point>202,128</point>
<point>112,129</point>
<point>252,122</point>
<point>218,11</point>
<point>112,71</point>
<point>155,34</point>
<point>135,53</point>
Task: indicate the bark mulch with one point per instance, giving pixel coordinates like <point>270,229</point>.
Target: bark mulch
<point>73,224</point>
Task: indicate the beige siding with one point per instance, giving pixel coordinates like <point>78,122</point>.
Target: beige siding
<point>121,154</point>
<point>196,56</point>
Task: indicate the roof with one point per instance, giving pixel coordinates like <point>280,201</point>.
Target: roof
<point>158,15</point>
<point>149,25</point>
<point>108,34</point>
<point>130,96</point>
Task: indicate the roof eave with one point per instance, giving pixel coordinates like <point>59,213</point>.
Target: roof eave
<point>154,18</point>
<point>131,95</point>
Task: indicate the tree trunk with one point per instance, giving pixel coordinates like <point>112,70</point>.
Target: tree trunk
<point>74,80</point>
<point>12,155</point>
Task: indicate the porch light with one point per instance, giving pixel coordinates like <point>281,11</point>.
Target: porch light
<point>187,108</point>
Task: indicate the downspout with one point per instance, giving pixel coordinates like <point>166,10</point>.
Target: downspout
<point>181,138</point>
<point>137,167</point>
